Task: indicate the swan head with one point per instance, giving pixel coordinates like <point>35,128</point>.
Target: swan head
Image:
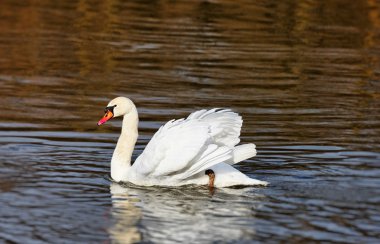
<point>116,107</point>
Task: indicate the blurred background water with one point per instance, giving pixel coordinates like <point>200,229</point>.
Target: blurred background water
<point>304,74</point>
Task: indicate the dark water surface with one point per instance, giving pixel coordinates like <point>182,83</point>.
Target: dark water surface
<point>305,76</point>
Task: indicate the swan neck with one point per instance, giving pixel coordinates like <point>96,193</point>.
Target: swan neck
<point>121,158</point>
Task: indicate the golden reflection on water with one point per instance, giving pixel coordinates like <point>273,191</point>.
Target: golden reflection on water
<point>83,37</point>
<point>269,54</point>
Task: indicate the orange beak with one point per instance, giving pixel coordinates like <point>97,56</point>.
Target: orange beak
<point>106,117</point>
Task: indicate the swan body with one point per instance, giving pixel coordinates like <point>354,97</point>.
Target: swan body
<point>181,150</point>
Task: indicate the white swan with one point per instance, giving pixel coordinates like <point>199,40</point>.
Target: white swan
<point>182,150</point>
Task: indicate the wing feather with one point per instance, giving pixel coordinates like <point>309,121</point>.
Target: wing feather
<point>184,147</point>
<point>225,125</point>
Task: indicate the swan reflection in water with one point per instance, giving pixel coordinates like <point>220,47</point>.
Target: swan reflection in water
<point>184,214</point>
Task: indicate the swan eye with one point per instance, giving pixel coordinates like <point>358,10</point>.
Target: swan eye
<point>109,108</point>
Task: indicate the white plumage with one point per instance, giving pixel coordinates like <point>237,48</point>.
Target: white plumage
<point>182,150</point>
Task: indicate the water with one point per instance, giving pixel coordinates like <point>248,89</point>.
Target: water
<point>303,74</point>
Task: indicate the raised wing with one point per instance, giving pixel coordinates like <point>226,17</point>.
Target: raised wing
<point>182,148</point>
